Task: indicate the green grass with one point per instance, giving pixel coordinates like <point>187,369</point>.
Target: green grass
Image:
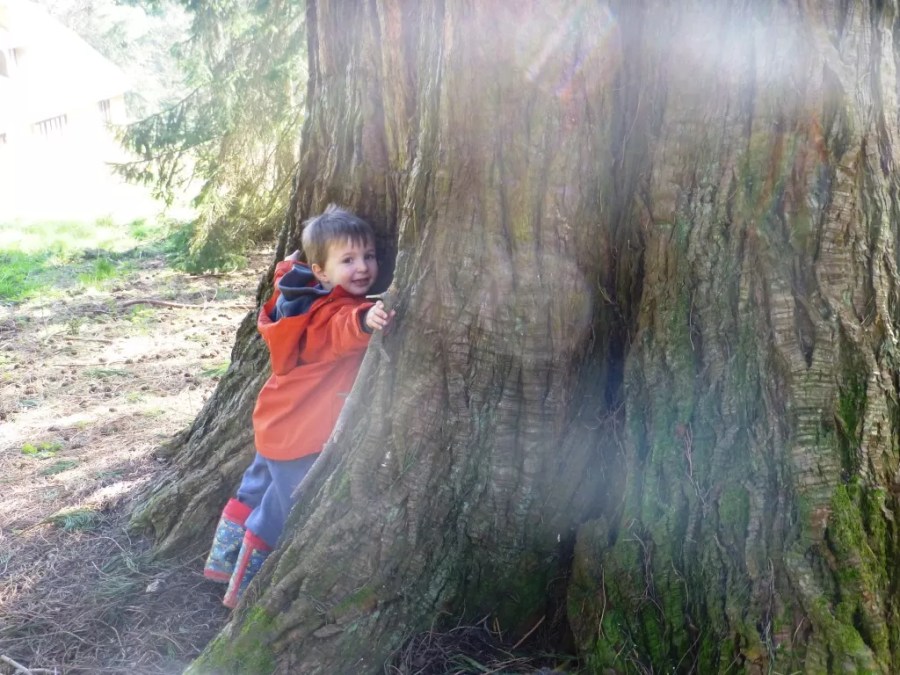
<point>216,371</point>
<point>43,450</point>
<point>58,467</point>
<point>141,230</point>
<point>101,270</point>
<point>46,257</point>
<point>21,274</point>
<point>72,520</point>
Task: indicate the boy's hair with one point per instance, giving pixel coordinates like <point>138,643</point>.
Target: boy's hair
<point>333,225</point>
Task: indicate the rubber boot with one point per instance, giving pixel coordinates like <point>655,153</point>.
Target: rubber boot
<point>254,552</point>
<point>227,541</point>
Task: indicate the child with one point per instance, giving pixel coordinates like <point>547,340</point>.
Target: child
<point>317,335</point>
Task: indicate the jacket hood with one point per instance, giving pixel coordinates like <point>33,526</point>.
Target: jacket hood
<point>298,291</point>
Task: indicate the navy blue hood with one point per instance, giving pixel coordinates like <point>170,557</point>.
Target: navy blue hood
<point>299,290</point>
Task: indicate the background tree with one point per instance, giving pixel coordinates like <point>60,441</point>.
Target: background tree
<point>644,374</point>
<point>233,135</point>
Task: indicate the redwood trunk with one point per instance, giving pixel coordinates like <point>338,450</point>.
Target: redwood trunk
<point>647,292</point>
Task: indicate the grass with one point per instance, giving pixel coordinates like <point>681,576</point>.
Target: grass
<point>21,274</point>
<point>43,450</point>
<point>141,317</point>
<point>101,270</point>
<point>72,237</point>
<point>73,520</point>
<point>216,371</point>
<point>50,256</point>
<point>46,257</point>
<point>59,466</point>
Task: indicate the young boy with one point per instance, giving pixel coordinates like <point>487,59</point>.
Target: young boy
<point>316,325</point>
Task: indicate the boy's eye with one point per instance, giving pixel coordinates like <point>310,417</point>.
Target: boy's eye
<point>370,256</point>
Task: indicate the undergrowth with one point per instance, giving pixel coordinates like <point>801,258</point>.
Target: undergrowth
<point>193,254</point>
<point>473,649</point>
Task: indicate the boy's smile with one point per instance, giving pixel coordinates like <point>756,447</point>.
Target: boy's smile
<point>350,265</point>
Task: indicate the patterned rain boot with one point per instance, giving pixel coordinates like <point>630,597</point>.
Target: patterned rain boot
<point>227,542</point>
<point>254,552</point>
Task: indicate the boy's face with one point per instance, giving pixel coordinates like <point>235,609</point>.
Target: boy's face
<point>349,265</point>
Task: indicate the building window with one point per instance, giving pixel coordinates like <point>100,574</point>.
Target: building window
<point>105,112</point>
<point>10,60</point>
<point>52,125</point>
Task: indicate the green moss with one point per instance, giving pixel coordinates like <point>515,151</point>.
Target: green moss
<point>607,651</point>
<point>850,413</point>
<point>247,652</point>
<point>861,574</point>
<point>519,596</point>
<point>363,599</point>
<point>734,511</point>
<point>342,489</point>
<point>641,623</point>
<point>873,506</point>
<point>708,653</point>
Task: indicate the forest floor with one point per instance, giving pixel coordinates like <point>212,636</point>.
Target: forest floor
<point>93,379</point>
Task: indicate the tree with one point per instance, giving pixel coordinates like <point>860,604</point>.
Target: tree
<point>645,365</point>
<point>234,133</point>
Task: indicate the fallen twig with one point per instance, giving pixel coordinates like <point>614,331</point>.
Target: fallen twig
<point>22,669</point>
<point>181,305</point>
<point>87,339</point>
<point>161,303</point>
<point>65,335</point>
<point>533,628</point>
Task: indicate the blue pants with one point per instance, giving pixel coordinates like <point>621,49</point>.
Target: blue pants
<point>268,487</point>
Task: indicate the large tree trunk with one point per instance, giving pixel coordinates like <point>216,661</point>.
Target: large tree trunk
<point>647,291</point>
<point>758,521</point>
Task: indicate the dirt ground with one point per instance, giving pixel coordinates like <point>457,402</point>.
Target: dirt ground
<point>91,384</point>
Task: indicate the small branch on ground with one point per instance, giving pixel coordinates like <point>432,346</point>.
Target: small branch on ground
<point>87,339</point>
<point>180,305</point>
<point>22,669</point>
<point>66,335</point>
<point>525,637</point>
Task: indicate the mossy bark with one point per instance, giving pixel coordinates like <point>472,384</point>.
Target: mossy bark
<point>646,276</point>
<point>757,529</point>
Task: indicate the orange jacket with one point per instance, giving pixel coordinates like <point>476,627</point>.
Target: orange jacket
<point>315,357</point>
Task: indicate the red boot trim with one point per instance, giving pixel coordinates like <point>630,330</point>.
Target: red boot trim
<point>237,512</point>
<point>256,542</point>
<point>231,594</point>
<point>251,543</point>
<point>213,575</point>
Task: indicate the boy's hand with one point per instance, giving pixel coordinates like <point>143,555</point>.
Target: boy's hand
<point>378,318</point>
<point>294,257</point>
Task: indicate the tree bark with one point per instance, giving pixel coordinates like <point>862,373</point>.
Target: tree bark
<point>757,528</point>
<point>645,351</point>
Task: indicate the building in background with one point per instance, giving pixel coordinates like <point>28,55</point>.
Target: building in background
<point>58,100</point>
